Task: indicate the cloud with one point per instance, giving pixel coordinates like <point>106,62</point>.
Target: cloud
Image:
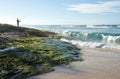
<point>100,7</point>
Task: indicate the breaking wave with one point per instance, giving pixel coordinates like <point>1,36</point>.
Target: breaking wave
<point>92,37</point>
<point>91,44</point>
<point>95,36</point>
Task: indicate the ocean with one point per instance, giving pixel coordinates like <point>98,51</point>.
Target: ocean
<point>91,36</point>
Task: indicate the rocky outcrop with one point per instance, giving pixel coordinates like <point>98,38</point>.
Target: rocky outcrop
<point>25,52</point>
<point>34,56</point>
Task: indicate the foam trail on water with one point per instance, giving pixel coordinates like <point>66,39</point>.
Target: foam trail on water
<point>7,49</point>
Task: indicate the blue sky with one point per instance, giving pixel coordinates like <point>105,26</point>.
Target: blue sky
<point>60,11</point>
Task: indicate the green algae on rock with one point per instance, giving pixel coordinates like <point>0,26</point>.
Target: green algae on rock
<point>36,55</point>
<point>35,52</point>
<point>51,48</point>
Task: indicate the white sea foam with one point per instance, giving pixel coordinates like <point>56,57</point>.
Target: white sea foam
<point>7,49</point>
<point>110,39</point>
<point>118,26</point>
<point>91,44</point>
<point>85,36</point>
<point>92,26</point>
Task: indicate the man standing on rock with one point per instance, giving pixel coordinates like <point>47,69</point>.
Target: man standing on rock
<point>18,22</point>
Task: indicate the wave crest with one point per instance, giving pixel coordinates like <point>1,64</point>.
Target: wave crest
<point>92,37</point>
<point>91,44</point>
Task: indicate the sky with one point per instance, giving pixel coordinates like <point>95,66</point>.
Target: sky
<point>54,12</point>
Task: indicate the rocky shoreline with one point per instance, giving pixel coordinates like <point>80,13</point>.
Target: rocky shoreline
<point>33,52</point>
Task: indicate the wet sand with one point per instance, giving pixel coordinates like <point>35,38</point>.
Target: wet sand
<point>98,64</point>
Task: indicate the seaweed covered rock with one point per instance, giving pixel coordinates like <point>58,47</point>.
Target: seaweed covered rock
<point>54,50</point>
<point>25,52</point>
<point>19,64</point>
<point>35,55</point>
